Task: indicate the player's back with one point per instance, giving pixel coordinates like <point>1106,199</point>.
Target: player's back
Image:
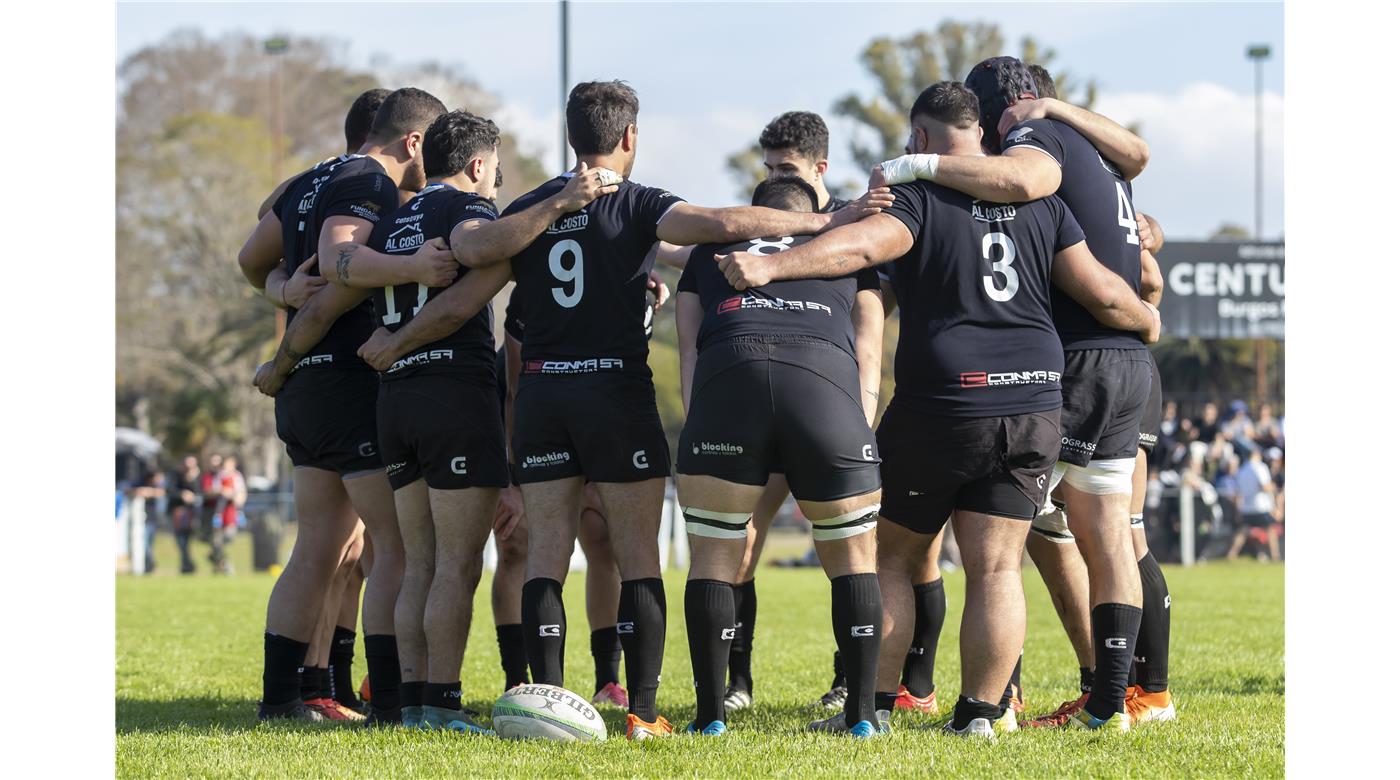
<point>1101,200</point>
<point>976,332</point>
<point>584,281</point>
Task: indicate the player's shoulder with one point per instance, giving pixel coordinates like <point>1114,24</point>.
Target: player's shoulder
<point>470,205</point>
<point>539,193</point>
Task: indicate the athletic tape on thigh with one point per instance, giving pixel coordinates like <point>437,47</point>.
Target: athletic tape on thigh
<point>1054,526</point>
<point>1103,477</point>
<point>850,524</point>
<point>716,525</point>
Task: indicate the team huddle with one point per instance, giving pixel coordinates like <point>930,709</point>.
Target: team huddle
<point>1026,287</point>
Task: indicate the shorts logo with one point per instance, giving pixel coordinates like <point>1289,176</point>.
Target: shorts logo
<point>1040,482</point>
<point>725,634</point>
<point>639,459</point>
<point>721,448</point>
<point>626,627</point>
<point>862,631</point>
<point>1076,444</point>
<point>550,629</point>
<point>459,465</point>
<point>1167,602</point>
<point>867,452</point>
<point>1008,378</point>
<point>916,493</point>
<point>547,459</point>
<point>367,449</point>
<point>394,468</point>
<point>1116,643</point>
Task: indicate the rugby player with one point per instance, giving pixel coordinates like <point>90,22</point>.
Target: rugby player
<point>793,345</point>
<point>586,406</point>
<point>977,369</point>
<point>325,410</point>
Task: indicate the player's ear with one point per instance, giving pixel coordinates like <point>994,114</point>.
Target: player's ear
<point>629,138</point>
<point>822,166</point>
<point>413,144</point>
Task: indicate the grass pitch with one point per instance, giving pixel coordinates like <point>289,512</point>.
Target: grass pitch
<point>189,653</point>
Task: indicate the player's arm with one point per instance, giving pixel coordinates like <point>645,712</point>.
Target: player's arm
<point>262,251</point>
<point>887,297</point>
<point>440,317</point>
<point>1103,293</point>
<point>266,205</point>
<point>479,243</point>
<point>1150,239</point>
<point>686,223</point>
<point>305,331</point>
<point>689,313</point>
<point>672,255</point>
<point>1015,176</point>
<point>868,316</point>
<point>1117,143</point>
<point>347,262</point>
<point>846,249</point>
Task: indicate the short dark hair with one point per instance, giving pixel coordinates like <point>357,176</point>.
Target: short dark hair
<point>785,193</point>
<point>361,116</point>
<point>404,111</point>
<point>454,139</point>
<point>802,131</point>
<point>1044,84</point>
<point>948,102</point>
<point>998,82</point>
<point>598,113</point>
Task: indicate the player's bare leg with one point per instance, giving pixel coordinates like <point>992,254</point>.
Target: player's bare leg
<point>739,693</point>
<point>506,585</point>
<point>602,591</point>
<point>415,523</point>
<point>902,555</point>
<point>552,509</point>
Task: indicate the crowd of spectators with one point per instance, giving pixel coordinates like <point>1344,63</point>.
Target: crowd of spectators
<point>1234,464</point>
<point>194,503</point>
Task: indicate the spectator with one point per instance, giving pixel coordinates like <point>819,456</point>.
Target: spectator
<point>1238,428</point>
<point>232,493</point>
<point>184,502</point>
<point>1209,424</point>
<point>1267,431</point>
<point>210,495</point>
<point>1257,507</point>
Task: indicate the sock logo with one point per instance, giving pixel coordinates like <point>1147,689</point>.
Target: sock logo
<point>627,627</point>
<point>453,694</point>
<point>862,631</point>
<point>916,651</point>
<point>551,629</point>
<point>1167,602</point>
<point>726,633</point>
<point>1116,643</point>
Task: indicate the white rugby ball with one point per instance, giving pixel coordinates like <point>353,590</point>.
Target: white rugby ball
<point>546,712</point>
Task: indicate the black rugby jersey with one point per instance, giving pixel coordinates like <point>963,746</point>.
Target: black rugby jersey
<point>832,204</point>
<point>816,308</point>
<point>976,337</point>
<point>433,213</point>
<point>583,281</point>
<point>1102,203</point>
<point>350,185</point>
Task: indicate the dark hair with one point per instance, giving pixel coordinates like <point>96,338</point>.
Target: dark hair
<point>1044,84</point>
<point>454,139</point>
<point>802,131</point>
<point>361,116</point>
<point>998,82</point>
<point>948,102</point>
<point>785,193</point>
<point>598,113</point>
<point>404,111</point>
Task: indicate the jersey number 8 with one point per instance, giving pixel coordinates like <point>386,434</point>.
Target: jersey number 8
<point>1002,266</point>
<point>571,275</point>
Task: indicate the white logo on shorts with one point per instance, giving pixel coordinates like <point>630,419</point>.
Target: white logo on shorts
<point>639,459</point>
<point>867,452</point>
<point>862,631</point>
<point>726,633</point>
<point>366,449</point>
<point>551,629</point>
<point>459,465</point>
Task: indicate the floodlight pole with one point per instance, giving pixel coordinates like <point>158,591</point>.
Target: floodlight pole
<point>563,84</point>
<point>1258,53</point>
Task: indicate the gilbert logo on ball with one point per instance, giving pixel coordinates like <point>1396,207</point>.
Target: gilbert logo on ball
<point>532,711</point>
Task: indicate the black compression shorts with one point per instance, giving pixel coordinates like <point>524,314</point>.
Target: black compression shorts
<point>326,417</point>
<point>1105,394</point>
<point>994,465</point>
<point>444,429</point>
<point>780,406</point>
<point>602,425</point>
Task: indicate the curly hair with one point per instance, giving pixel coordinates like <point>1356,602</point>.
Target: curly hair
<point>454,139</point>
<point>802,131</point>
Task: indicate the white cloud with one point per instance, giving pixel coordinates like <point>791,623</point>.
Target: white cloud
<point>1202,168</point>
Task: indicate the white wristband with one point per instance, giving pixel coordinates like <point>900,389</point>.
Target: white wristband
<point>902,170</point>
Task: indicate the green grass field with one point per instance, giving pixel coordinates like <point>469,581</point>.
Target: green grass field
<point>189,674</point>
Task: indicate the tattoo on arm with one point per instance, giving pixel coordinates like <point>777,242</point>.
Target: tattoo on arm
<point>291,354</point>
<point>342,264</point>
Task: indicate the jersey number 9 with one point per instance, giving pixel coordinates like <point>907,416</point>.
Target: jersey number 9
<point>573,275</point>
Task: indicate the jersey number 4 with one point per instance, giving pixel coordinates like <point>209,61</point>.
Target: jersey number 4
<point>1126,217</point>
<point>1000,267</point>
<point>572,276</point>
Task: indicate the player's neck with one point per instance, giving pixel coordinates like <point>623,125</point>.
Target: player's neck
<point>392,166</point>
<point>617,163</point>
<point>823,196</point>
<point>460,182</point>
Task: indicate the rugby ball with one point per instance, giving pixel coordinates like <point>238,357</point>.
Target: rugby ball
<point>532,711</point>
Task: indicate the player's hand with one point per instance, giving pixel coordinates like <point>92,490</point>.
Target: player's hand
<point>302,285</point>
<point>1022,111</point>
<point>587,185</point>
<point>1154,331</point>
<point>510,510</point>
<point>267,380</point>
<point>743,270</point>
<point>872,202</point>
<point>380,351</point>
<point>1150,236</point>
<point>877,178</point>
<point>657,287</point>
<point>434,265</point>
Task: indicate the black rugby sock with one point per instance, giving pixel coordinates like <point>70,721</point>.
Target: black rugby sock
<point>857,616</point>
<point>967,709</point>
<point>930,607</point>
<point>445,695</point>
<point>310,683</point>
<point>741,651</point>
<point>709,623</point>
<point>607,653</point>
<point>884,700</point>
<point>641,625</point>
<point>544,625</point>
<point>510,640</point>
<point>1115,634</point>
<point>411,693</point>
<point>382,661</point>
<point>1086,680</point>
<point>323,683</point>
<point>342,661</point>
<point>282,660</point>
<point>839,670</point>
<point>1154,638</point>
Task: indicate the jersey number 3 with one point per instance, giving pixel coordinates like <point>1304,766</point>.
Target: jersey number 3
<point>571,276</point>
<point>1002,267</point>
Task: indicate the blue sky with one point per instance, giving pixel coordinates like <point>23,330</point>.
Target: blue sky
<point>710,75</point>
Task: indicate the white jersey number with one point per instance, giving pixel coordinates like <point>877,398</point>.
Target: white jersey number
<point>572,275</point>
<point>1002,266</point>
<point>392,317</point>
<point>1126,217</point>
